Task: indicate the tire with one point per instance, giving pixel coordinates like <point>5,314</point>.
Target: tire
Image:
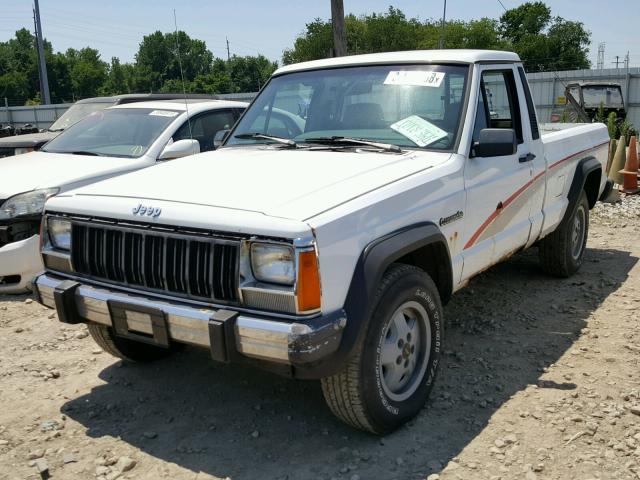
<point>562,251</point>
<point>368,393</point>
<point>124,348</point>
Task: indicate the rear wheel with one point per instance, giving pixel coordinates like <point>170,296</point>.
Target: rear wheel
<point>124,348</point>
<point>389,378</point>
<point>562,251</point>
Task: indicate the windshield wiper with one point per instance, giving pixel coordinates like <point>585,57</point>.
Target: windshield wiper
<point>83,152</point>
<point>387,147</point>
<point>264,136</point>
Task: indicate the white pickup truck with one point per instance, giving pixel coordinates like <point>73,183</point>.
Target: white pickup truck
<point>325,247</point>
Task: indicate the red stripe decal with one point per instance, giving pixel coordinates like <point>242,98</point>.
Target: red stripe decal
<point>518,192</point>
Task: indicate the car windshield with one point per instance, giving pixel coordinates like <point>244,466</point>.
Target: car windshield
<point>117,132</point>
<point>413,106</point>
<point>77,112</point>
<point>609,96</point>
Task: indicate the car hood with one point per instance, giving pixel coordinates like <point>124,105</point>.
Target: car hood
<point>28,140</point>
<point>31,171</point>
<point>293,184</point>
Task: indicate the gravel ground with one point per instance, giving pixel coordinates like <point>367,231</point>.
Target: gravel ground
<point>540,381</point>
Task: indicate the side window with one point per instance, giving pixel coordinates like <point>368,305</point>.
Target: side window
<point>502,101</point>
<point>533,119</point>
<point>205,126</point>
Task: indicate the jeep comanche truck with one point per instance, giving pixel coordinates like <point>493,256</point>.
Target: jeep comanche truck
<point>325,248</point>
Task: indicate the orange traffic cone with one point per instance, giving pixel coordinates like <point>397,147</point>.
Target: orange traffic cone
<point>630,171</point>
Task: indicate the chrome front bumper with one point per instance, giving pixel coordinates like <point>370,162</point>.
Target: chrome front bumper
<point>283,341</point>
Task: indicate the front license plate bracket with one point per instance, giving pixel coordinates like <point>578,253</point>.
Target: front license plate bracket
<point>160,331</point>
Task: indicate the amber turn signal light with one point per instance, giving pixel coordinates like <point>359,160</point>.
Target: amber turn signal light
<point>308,282</point>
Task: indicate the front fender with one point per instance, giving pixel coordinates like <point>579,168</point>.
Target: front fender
<point>371,266</point>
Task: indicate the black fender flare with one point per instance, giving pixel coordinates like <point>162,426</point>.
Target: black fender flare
<point>584,168</point>
<point>374,260</point>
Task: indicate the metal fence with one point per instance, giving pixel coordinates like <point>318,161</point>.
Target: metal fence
<point>546,87</point>
<point>43,116</point>
<point>40,116</point>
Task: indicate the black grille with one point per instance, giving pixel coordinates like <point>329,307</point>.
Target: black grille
<point>198,267</point>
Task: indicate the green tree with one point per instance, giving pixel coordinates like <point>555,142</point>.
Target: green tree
<point>158,57</point>
<point>314,43</point>
<point>249,73</point>
<point>530,18</point>
<point>545,42</point>
<point>88,71</point>
<point>116,82</point>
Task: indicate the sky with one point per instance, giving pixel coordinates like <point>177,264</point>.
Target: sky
<point>116,27</point>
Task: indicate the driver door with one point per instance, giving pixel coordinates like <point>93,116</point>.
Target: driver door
<point>499,221</point>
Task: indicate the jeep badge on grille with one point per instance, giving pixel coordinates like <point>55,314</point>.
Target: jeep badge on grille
<point>148,211</point>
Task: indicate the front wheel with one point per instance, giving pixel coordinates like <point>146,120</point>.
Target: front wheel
<point>562,251</point>
<point>389,378</point>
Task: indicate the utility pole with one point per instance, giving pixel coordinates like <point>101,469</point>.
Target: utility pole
<point>337,22</point>
<point>444,17</point>
<point>42,64</point>
<point>600,64</point>
<point>617,62</point>
<point>228,54</point>
<point>626,61</point>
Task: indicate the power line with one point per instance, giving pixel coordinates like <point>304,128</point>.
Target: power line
<point>502,5</point>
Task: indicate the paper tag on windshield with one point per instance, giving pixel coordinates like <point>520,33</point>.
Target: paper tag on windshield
<point>418,78</point>
<point>418,130</point>
<point>163,113</point>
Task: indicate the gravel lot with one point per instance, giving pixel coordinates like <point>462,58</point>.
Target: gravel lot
<point>540,380</point>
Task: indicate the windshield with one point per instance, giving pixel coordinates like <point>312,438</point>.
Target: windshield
<point>77,112</point>
<point>118,132</point>
<point>414,106</point>
<point>609,96</point>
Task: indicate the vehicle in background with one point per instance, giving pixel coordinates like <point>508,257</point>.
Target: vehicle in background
<point>26,141</point>
<point>325,248</point>
<point>106,143</point>
<point>584,100</point>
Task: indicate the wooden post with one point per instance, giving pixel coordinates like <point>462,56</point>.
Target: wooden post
<point>337,22</point>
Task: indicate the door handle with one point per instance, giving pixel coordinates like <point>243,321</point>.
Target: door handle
<point>526,158</point>
<point>499,207</point>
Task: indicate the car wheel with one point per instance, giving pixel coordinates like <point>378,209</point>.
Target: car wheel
<point>389,378</point>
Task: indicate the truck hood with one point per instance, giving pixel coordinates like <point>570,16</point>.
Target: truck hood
<point>293,184</point>
<point>28,140</point>
<point>35,170</point>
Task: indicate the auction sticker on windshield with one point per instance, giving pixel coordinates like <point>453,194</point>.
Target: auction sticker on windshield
<point>417,78</point>
<point>163,113</point>
<point>418,130</point>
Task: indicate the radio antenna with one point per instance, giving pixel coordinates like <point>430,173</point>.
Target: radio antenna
<point>184,90</point>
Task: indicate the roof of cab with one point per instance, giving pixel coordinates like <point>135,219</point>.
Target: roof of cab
<point>143,97</point>
<point>195,106</point>
<point>409,56</point>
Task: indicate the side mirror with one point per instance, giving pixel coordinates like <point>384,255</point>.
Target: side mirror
<point>220,137</point>
<point>496,142</point>
<point>179,149</point>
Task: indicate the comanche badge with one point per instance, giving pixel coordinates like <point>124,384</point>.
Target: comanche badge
<point>451,218</point>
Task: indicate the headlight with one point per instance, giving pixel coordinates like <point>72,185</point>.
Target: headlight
<point>59,230</point>
<point>273,263</point>
<point>29,203</point>
<point>21,150</point>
